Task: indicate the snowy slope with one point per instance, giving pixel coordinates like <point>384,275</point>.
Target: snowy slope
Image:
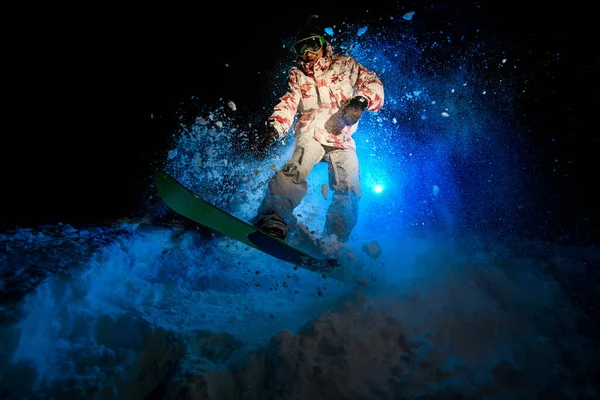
<point>130,308</point>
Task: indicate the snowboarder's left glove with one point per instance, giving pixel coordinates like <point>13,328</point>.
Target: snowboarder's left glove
<point>352,111</point>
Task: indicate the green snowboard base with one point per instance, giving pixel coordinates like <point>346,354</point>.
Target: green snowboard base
<point>183,201</point>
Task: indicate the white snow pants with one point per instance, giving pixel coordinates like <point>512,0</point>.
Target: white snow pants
<point>287,187</point>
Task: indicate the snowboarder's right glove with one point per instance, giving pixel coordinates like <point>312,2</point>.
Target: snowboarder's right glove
<point>347,115</point>
<point>352,111</point>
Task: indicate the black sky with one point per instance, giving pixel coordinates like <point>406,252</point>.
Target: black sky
<point>78,140</point>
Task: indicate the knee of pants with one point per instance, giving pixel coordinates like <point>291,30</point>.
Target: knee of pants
<point>353,192</point>
<point>345,202</point>
<point>307,153</point>
<point>344,174</point>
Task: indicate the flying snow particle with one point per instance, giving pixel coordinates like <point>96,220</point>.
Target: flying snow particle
<point>361,31</point>
<point>232,105</point>
<point>445,114</point>
<point>436,190</point>
<point>408,16</point>
<point>373,249</point>
<point>329,31</point>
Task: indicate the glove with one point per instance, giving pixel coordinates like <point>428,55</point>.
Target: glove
<point>352,111</point>
<point>265,140</point>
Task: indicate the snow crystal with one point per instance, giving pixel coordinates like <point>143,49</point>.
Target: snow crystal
<point>361,31</point>
<point>408,16</point>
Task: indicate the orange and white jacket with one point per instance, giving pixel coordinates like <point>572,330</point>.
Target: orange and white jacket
<point>316,92</point>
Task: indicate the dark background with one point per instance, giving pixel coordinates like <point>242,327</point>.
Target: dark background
<point>79,143</point>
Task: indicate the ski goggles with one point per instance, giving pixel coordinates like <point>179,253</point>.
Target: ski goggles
<point>311,44</point>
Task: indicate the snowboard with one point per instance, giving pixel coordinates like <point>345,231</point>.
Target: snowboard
<point>193,207</point>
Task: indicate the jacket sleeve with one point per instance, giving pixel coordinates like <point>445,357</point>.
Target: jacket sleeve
<point>285,111</point>
<point>369,86</point>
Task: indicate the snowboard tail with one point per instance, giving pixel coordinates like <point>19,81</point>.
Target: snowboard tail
<point>183,201</point>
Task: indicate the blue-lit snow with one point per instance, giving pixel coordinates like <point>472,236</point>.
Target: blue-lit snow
<point>139,309</point>
<point>408,16</point>
<point>459,315</point>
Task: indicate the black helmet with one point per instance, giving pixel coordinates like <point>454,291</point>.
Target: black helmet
<point>309,38</point>
<point>309,29</point>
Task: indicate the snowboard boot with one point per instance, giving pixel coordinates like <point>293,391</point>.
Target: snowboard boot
<point>272,225</point>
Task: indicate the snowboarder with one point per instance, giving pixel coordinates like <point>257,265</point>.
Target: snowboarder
<point>328,93</point>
